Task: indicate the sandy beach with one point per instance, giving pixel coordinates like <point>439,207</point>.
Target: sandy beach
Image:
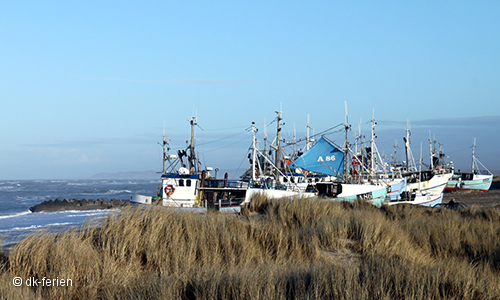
<point>489,199</point>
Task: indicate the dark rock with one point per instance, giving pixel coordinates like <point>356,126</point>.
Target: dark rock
<point>74,204</point>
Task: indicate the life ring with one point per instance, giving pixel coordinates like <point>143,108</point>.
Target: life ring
<point>169,189</point>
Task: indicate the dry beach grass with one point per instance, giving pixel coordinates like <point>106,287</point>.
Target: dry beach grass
<point>299,249</point>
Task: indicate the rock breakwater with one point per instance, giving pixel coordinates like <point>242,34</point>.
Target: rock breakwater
<point>76,204</point>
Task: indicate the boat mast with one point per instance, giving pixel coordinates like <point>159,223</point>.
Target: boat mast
<point>433,152</point>
<point>265,147</point>
<point>355,159</point>
<point>395,163</point>
<point>372,144</point>
<point>165,149</point>
<point>308,125</point>
<point>420,169</point>
<point>474,156</point>
<point>407,145</point>
<point>346,145</point>
<point>294,143</point>
<point>278,148</point>
<point>254,148</point>
<point>192,155</point>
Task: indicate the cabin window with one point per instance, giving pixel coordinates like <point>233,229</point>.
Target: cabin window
<point>181,182</point>
<point>188,182</point>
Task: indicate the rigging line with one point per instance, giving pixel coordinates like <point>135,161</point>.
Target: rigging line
<point>320,133</point>
<point>225,146</point>
<point>460,150</point>
<point>221,139</point>
<point>238,169</point>
<point>324,131</point>
<point>231,128</point>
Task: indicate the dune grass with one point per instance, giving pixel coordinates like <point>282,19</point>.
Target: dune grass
<point>287,249</point>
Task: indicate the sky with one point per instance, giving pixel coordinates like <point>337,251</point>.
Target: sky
<point>91,86</point>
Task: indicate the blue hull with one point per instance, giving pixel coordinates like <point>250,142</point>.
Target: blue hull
<point>376,197</point>
<point>480,185</point>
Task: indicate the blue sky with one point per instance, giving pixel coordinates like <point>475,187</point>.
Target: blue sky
<point>86,87</point>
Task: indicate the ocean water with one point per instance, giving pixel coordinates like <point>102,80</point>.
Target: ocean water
<point>17,196</point>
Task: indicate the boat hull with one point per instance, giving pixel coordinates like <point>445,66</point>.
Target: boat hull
<point>434,186</point>
<point>271,194</point>
<point>480,183</point>
<point>396,188</point>
<point>141,199</point>
<point>424,200</point>
<point>375,194</point>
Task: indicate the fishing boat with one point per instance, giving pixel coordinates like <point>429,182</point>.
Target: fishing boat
<point>423,187</point>
<point>471,181</point>
<point>368,166</point>
<point>326,158</point>
<point>375,169</point>
<point>189,187</point>
<point>266,178</point>
<point>318,172</point>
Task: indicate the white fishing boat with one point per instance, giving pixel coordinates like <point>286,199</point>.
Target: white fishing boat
<point>423,187</point>
<point>419,198</point>
<point>189,187</point>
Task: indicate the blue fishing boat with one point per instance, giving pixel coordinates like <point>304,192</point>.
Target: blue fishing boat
<point>471,181</point>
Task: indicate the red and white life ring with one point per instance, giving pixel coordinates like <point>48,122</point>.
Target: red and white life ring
<point>169,189</point>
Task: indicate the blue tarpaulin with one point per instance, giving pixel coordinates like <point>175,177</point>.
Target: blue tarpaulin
<point>323,157</point>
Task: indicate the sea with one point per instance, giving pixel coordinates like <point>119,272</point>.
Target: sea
<point>17,196</point>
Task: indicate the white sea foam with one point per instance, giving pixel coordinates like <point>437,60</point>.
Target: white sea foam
<point>36,227</point>
<point>119,191</point>
<point>90,213</point>
<point>15,215</point>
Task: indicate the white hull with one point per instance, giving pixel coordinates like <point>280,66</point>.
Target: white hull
<point>434,186</point>
<point>141,199</point>
<point>425,200</point>
<point>273,194</point>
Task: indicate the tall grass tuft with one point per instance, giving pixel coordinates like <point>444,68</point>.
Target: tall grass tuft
<point>278,249</point>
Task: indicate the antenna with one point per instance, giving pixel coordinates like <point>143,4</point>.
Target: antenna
<point>346,115</point>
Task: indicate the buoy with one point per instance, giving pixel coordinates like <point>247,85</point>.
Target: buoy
<point>169,189</point>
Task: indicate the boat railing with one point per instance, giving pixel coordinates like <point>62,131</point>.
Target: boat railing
<point>221,183</point>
